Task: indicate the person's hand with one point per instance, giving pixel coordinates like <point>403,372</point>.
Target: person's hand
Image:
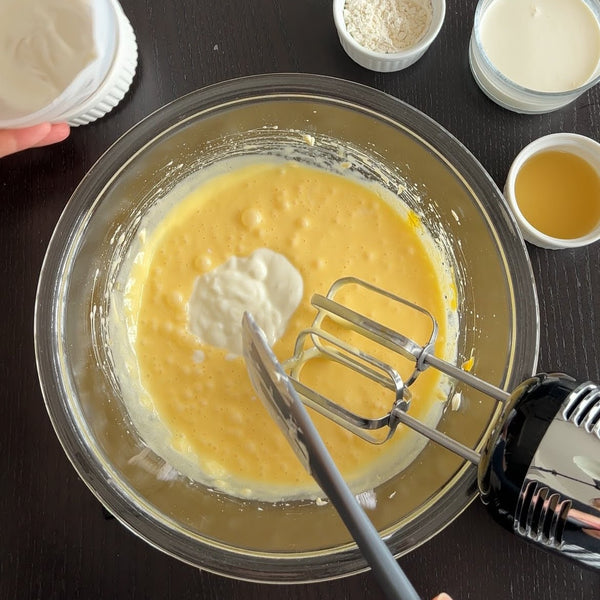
<point>442,596</point>
<point>15,140</point>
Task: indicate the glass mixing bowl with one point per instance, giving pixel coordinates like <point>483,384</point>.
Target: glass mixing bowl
<point>380,138</point>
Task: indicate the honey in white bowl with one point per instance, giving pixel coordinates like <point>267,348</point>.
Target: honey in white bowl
<point>558,193</point>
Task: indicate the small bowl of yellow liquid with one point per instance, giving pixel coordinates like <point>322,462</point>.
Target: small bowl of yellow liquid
<point>553,189</point>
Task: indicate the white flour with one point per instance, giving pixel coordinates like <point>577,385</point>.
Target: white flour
<point>387,25</point>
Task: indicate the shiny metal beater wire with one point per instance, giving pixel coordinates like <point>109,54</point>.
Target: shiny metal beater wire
<point>316,342</point>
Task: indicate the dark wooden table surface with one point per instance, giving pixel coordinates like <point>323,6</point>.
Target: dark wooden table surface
<point>54,539</point>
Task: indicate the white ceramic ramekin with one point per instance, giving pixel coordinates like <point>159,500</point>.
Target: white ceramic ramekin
<point>381,61</point>
<point>573,143</point>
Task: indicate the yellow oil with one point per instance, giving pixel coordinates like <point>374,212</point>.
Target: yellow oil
<point>559,194</point>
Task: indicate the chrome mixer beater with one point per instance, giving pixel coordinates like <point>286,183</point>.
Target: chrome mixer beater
<point>539,469</point>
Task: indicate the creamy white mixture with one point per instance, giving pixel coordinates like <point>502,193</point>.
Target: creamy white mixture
<point>265,284</point>
<point>44,44</point>
<point>544,45</point>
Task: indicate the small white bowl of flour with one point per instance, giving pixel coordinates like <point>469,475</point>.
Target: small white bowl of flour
<point>387,35</point>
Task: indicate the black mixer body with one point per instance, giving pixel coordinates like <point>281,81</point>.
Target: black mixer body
<point>543,476</point>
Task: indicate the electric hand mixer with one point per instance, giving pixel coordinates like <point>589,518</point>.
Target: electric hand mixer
<point>539,471</point>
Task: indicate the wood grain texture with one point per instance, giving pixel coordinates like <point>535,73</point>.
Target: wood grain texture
<point>56,542</point>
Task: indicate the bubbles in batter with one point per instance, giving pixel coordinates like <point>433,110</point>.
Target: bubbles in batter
<point>280,230</point>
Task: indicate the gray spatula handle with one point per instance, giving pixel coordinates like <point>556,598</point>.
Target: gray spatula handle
<point>283,404</point>
<point>388,573</point>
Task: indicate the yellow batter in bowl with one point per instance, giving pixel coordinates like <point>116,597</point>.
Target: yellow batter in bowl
<point>109,425</point>
<point>327,226</point>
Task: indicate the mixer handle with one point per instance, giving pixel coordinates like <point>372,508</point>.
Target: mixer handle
<point>540,472</point>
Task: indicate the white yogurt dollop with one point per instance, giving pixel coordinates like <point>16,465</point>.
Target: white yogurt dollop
<point>265,284</point>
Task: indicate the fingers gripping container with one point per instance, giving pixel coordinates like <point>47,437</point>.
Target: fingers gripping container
<point>102,84</point>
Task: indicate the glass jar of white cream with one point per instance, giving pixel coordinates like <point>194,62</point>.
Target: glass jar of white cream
<point>535,57</point>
